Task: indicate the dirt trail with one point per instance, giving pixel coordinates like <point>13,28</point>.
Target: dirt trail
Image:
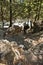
<point>2,64</point>
<point>24,39</point>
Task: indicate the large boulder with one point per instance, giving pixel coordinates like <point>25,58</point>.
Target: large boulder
<point>29,57</point>
<point>13,54</point>
<point>38,52</point>
<point>6,52</point>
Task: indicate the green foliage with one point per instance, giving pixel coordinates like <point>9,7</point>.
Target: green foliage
<point>27,9</point>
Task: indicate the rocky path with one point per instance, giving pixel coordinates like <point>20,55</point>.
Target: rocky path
<point>25,39</point>
<point>28,40</point>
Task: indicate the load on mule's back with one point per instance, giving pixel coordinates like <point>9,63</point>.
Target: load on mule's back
<point>13,30</point>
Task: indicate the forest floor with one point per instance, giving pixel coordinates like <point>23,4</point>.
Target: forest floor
<point>24,39</point>
<point>2,64</point>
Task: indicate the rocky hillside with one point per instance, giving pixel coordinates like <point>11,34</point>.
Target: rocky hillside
<point>13,54</point>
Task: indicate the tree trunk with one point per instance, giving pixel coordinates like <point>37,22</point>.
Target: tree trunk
<point>2,16</point>
<point>10,13</point>
<point>39,10</point>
